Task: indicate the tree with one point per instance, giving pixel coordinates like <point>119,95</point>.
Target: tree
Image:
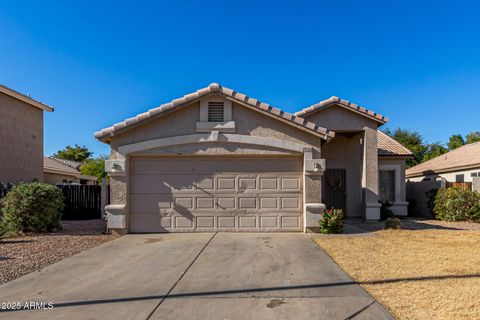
<point>472,137</point>
<point>455,141</point>
<point>411,140</point>
<point>434,150</point>
<point>76,153</point>
<point>94,167</point>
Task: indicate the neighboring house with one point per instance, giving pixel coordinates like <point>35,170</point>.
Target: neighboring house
<point>459,165</point>
<point>218,160</point>
<point>60,171</point>
<point>21,137</point>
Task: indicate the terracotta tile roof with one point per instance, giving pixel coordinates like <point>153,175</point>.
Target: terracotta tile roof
<point>388,146</point>
<point>51,163</point>
<point>465,157</point>
<point>67,167</point>
<point>23,97</point>
<point>218,89</point>
<point>344,103</point>
<point>70,163</point>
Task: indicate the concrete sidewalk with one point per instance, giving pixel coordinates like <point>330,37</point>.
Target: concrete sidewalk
<point>195,276</point>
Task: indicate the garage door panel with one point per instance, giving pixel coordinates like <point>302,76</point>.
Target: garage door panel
<point>205,222</point>
<point>290,183</point>
<point>148,222</point>
<point>290,222</point>
<point>183,222</point>
<point>205,203</point>
<point>144,203</point>
<point>148,184</point>
<point>204,194</point>
<point>269,222</point>
<point>225,203</point>
<point>226,183</point>
<point>204,183</point>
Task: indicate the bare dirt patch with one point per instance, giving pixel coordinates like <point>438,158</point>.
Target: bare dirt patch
<point>25,254</point>
<point>415,274</point>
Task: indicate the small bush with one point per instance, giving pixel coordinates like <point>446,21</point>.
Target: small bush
<point>456,204</point>
<point>385,211</point>
<point>393,223</point>
<point>31,207</point>
<point>331,221</point>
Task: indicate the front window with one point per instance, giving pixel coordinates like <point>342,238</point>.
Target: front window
<point>387,185</point>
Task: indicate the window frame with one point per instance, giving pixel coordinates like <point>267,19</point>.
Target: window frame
<point>393,185</point>
<point>397,180</point>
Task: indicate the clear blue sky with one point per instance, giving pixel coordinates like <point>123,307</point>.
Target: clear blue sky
<point>97,63</point>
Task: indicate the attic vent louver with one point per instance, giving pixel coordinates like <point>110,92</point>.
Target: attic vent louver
<point>215,111</point>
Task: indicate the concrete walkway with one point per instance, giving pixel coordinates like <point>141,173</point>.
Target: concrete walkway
<point>195,276</point>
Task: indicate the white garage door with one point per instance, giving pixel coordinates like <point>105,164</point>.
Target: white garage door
<point>211,194</point>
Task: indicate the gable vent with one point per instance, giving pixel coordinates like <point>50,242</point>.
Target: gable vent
<point>215,111</point>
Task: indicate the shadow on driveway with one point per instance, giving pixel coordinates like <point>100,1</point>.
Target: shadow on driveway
<point>253,290</point>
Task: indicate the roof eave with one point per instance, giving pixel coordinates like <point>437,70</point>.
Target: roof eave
<point>17,95</point>
<point>445,170</point>
<point>322,105</point>
<point>106,134</point>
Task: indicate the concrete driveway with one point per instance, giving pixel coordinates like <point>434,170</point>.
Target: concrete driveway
<point>195,276</point>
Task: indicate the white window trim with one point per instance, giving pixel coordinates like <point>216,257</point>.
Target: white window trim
<point>396,168</point>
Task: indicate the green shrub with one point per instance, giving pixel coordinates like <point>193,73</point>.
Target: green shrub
<point>393,223</point>
<point>331,221</point>
<point>457,204</point>
<point>385,211</point>
<point>31,207</point>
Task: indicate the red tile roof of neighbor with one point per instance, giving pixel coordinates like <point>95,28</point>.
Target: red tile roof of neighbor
<point>217,89</point>
<point>463,158</point>
<point>23,97</point>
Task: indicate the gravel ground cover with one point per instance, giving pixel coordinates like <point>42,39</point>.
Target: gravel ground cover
<point>416,274</point>
<point>25,254</point>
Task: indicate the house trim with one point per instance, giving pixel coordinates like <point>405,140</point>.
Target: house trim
<point>214,136</point>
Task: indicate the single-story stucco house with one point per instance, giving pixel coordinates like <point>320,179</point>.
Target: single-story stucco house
<point>21,137</point>
<point>218,160</point>
<point>459,165</point>
<point>61,171</point>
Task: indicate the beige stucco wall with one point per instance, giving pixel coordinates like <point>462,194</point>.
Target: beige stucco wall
<point>54,178</point>
<point>183,122</point>
<point>354,149</point>
<point>339,119</point>
<point>345,152</point>
<point>21,141</point>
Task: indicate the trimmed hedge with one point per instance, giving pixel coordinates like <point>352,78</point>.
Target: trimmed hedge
<point>31,207</point>
<point>457,204</point>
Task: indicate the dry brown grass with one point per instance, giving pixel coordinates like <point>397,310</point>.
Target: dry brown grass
<point>397,254</point>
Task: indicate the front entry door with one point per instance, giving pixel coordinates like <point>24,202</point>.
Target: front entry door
<point>334,190</point>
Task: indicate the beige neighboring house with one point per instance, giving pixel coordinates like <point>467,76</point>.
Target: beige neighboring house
<point>21,137</point>
<point>218,160</point>
<point>60,171</point>
<point>459,165</point>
